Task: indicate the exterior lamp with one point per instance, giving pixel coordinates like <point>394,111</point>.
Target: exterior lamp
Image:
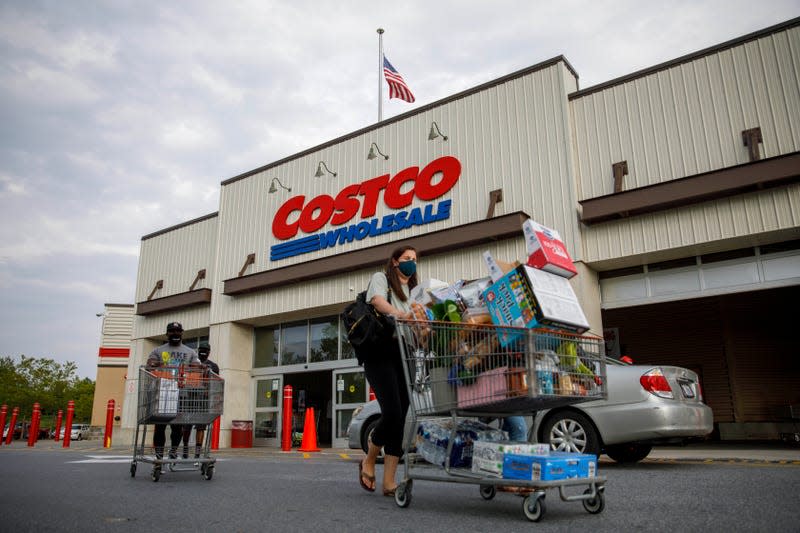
<point>273,189</point>
<point>436,132</point>
<point>374,147</point>
<point>321,173</point>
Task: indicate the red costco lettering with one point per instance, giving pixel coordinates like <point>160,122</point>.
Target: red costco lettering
<point>397,194</point>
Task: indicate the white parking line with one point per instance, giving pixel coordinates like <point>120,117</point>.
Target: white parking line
<point>105,459</point>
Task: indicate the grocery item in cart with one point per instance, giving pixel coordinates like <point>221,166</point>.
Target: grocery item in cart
<point>552,467</point>
<point>527,297</point>
<point>487,456</point>
<point>433,436</point>
<point>546,251</point>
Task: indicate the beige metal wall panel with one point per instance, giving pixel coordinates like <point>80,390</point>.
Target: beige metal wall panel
<point>195,321</point>
<point>688,118</point>
<point>117,326</point>
<point>513,136</point>
<point>176,256</point>
<point>327,297</point>
<point>702,225</point>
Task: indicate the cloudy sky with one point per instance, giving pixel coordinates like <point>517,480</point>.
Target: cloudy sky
<point>120,118</point>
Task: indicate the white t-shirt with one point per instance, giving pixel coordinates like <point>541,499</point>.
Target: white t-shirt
<point>379,285</point>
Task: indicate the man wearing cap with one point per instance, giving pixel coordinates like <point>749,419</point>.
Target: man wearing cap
<point>172,355</point>
<point>203,351</point>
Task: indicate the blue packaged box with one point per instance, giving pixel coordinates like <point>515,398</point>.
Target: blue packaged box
<point>553,467</point>
<point>530,298</point>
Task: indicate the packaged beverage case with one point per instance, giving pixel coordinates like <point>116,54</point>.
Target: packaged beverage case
<point>433,436</point>
<point>546,251</point>
<point>487,457</point>
<point>545,372</point>
<point>555,466</point>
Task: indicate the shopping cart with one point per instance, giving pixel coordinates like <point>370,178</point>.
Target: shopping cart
<point>176,396</point>
<point>462,371</point>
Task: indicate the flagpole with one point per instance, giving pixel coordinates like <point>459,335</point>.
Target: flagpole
<point>380,74</point>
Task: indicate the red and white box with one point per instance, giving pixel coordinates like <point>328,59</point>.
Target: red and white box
<point>546,251</point>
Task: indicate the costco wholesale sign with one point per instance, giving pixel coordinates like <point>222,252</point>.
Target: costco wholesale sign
<point>354,207</point>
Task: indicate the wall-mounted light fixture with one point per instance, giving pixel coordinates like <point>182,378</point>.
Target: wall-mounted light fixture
<point>321,172</point>
<point>371,155</point>
<point>273,189</point>
<point>436,132</point>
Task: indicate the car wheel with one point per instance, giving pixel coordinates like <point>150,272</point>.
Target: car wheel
<point>628,452</point>
<point>365,435</point>
<point>568,431</point>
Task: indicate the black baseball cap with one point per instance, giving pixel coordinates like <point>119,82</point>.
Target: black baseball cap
<point>204,348</point>
<point>174,326</point>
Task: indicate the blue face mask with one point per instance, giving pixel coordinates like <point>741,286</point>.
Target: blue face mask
<point>407,268</point>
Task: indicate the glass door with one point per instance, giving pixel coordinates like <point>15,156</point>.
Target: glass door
<point>349,392</point>
<point>269,401</point>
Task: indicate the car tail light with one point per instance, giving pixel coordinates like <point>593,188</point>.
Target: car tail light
<point>699,390</point>
<point>655,383</point>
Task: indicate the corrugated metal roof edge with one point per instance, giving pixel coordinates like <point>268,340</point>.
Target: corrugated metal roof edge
<point>182,224</point>
<point>508,77</point>
<point>686,58</point>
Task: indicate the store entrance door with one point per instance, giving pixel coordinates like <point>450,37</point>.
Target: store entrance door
<point>269,398</point>
<point>349,392</point>
<point>312,389</point>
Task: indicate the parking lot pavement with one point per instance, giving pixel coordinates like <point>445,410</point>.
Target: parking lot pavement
<point>771,451</point>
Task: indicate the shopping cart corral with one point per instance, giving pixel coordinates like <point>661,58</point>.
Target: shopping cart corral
<point>176,396</point>
<point>458,372</point>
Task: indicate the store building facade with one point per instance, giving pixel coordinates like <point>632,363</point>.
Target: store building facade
<point>676,190</point>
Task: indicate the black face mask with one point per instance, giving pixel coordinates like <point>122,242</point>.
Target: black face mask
<point>203,357</point>
<point>174,339</point>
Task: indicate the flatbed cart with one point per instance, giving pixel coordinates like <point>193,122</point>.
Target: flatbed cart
<point>176,395</point>
<point>462,370</point>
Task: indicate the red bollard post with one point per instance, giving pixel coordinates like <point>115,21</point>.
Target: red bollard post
<point>109,424</point>
<point>32,431</point>
<point>215,434</point>
<point>59,419</point>
<point>286,426</point>
<point>37,423</point>
<point>68,424</point>
<point>3,414</point>
<point>11,425</point>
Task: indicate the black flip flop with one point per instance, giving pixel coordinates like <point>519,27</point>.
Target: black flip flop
<point>362,475</point>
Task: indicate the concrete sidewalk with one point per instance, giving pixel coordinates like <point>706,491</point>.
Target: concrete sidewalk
<point>770,451</point>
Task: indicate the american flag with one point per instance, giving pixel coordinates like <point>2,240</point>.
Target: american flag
<point>397,85</point>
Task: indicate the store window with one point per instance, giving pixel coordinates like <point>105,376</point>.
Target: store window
<point>346,347</point>
<point>319,340</point>
<point>324,340</point>
<point>194,342</point>
<point>294,343</point>
<point>266,348</point>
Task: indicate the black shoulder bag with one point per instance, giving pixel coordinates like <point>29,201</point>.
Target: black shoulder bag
<point>366,328</point>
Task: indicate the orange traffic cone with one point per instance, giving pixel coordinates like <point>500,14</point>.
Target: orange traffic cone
<point>309,443</point>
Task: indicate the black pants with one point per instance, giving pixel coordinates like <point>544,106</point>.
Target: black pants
<point>160,436</point>
<point>384,372</point>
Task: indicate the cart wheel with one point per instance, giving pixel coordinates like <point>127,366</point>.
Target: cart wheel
<point>402,496</point>
<point>488,491</point>
<point>156,474</point>
<point>209,473</point>
<point>597,504</point>
<point>533,507</point>
<point>133,469</point>
<point>203,469</point>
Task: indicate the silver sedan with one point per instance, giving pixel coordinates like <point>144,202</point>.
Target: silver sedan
<point>646,405</point>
